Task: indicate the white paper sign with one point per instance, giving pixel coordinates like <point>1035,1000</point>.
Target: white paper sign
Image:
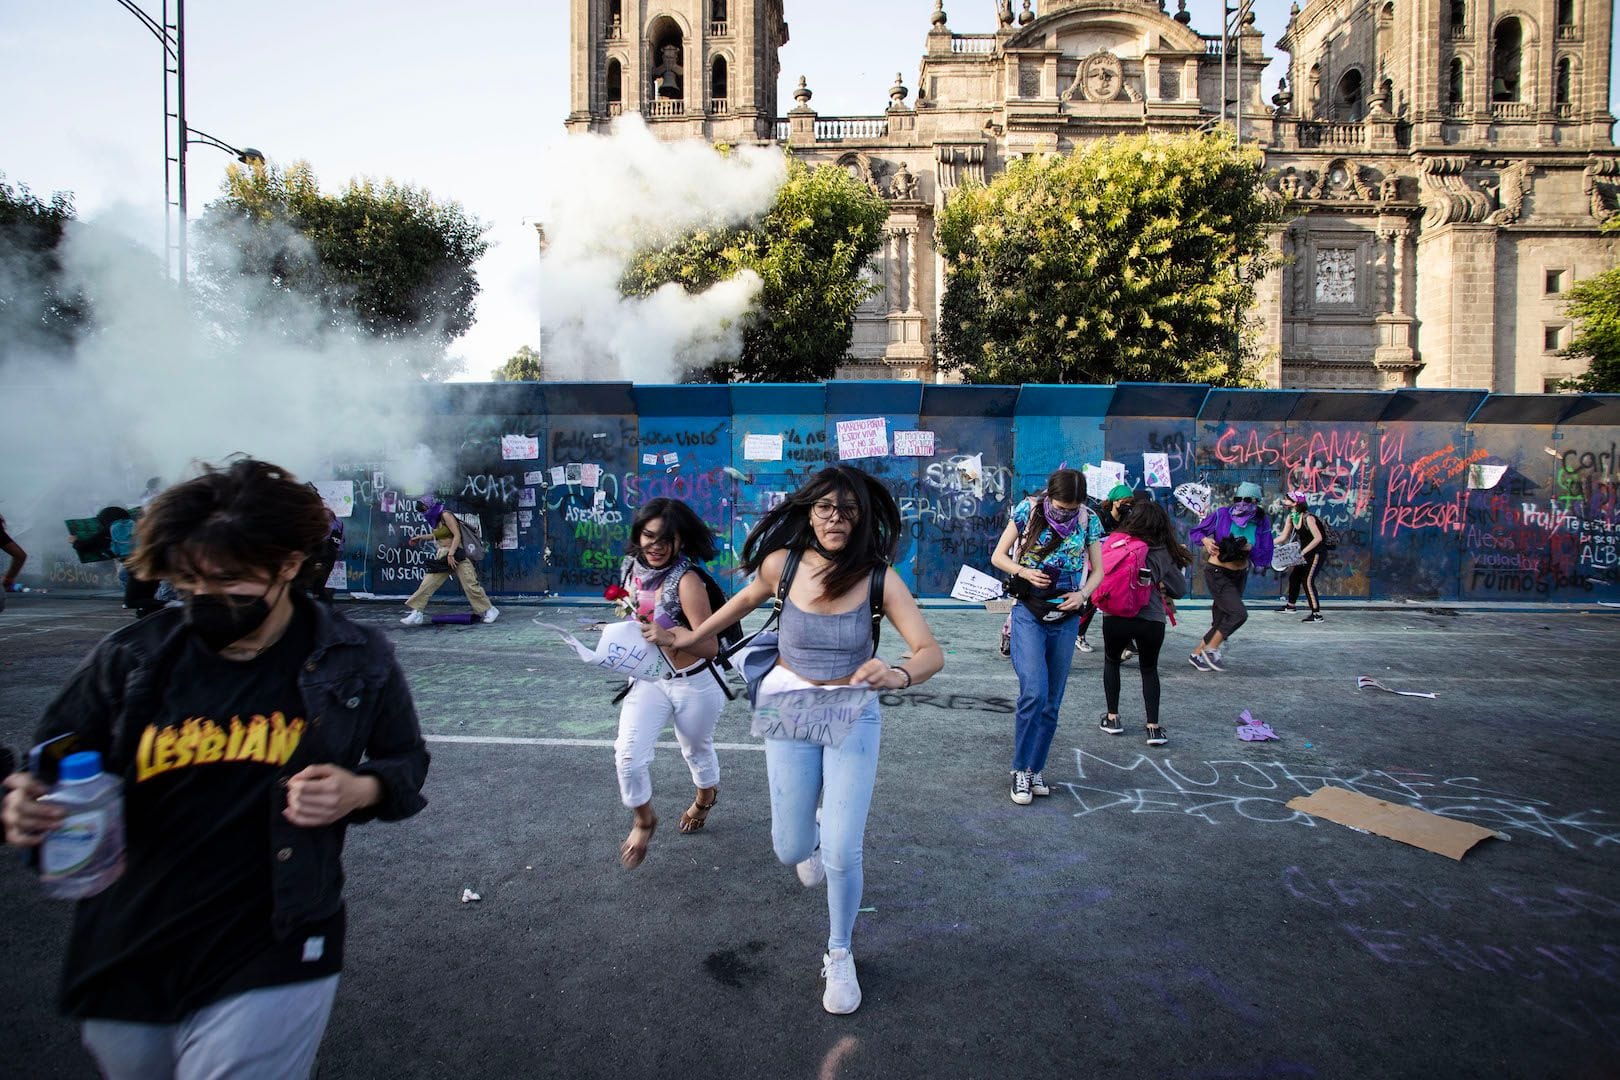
<point>1195,497</point>
<point>559,476</point>
<point>525,496</point>
<point>621,650</point>
<point>972,470</point>
<point>533,478</point>
<point>1484,477</point>
<point>975,585</point>
<point>762,448</point>
<point>338,495</point>
<point>590,474</point>
<point>1095,481</point>
<point>817,714</point>
<point>575,471</point>
<point>914,444</point>
<point>1156,470</point>
<point>339,577</point>
<point>519,448</point>
<point>863,438</point>
<point>1113,473</point>
<point>525,518</point>
<point>672,458</point>
<point>509,536</point>
<point>649,459</point>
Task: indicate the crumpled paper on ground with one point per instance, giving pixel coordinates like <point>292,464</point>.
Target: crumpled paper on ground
<point>1252,730</point>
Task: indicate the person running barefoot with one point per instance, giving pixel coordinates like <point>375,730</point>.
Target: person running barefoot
<point>661,569</point>
<point>446,535</point>
<point>1304,526</point>
<point>1167,561</point>
<point>1244,533</point>
<point>833,539</point>
<point>1051,546</point>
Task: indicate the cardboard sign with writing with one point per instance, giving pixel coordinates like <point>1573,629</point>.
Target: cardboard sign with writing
<point>818,714</point>
<point>975,585</point>
<point>621,650</point>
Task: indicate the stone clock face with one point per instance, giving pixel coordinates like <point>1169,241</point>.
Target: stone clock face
<point>1335,276</point>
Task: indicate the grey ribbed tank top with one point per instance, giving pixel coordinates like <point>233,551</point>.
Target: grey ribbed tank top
<point>823,647</point>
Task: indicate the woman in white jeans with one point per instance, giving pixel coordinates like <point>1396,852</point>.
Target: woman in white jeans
<point>840,529</point>
<point>667,541</point>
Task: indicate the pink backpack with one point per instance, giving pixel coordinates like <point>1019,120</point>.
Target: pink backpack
<point>1121,591</point>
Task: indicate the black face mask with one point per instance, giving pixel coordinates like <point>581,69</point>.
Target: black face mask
<point>218,620</point>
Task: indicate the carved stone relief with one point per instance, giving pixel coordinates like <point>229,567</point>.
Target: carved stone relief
<point>1101,78</point>
<point>1445,193</point>
<point>1335,276</point>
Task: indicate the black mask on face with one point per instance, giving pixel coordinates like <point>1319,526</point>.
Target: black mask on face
<point>219,620</point>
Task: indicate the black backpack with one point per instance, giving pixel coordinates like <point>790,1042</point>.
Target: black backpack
<point>730,637</point>
<point>874,603</point>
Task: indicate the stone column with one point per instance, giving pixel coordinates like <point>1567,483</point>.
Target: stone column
<point>891,271</point>
<point>914,263</point>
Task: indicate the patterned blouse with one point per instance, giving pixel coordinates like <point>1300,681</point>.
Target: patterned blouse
<point>1069,555</point>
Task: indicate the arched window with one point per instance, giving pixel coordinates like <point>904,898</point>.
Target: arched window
<point>1454,82</point>
<point>719,88</point>
<point>666,47</point>
<point>1507,53</point>
<point>1459,17</point>
<point>1348,99</point>
<point>1563,82</point>
<point>615,82</point>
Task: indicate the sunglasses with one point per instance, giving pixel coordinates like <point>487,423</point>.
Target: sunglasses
<point>1247,498</point>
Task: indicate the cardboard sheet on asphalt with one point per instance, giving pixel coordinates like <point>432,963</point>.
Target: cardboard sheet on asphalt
<point>1409,825</point>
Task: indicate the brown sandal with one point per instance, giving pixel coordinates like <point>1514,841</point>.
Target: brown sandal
<point>697,815</point>
<point>631,855</point>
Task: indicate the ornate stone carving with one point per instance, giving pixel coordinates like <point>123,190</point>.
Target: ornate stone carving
<point>1514,186</point>
<point>1335,276</point>
<point>903,185</point>
<point>1029,81</point>
<point>1101,78</point>
<point>1445,193</point>
<point>1004,13</point>
<point>1343,180</point>
<point>1597,181</point>
<point>1389,188</point>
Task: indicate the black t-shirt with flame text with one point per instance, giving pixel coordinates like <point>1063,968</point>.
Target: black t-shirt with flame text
<point>189,922</point>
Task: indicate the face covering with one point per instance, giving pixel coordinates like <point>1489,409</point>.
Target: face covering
<point>1242,512</point>
<point>218,620</point>
<point>1062,521</point>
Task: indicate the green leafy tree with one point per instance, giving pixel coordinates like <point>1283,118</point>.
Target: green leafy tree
<point>1134,258</point>
<point>522,366</point>
<point>39,308</point>
<point>385,258</point>
<point>810,250</point>
<point>1595,303</point>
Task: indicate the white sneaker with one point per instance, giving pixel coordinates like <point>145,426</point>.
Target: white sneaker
<point>1037,784</point>
<point>1021,793</point>
<point>843,993</point>
<point>415,618</point>
<point>811,872</point>
<point>491,615</point>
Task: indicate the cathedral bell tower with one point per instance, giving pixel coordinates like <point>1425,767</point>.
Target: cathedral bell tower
<point>691,68</point>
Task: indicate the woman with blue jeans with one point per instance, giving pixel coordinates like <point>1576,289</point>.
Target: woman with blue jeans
<point>843,526</point>
<point>1052,547</point>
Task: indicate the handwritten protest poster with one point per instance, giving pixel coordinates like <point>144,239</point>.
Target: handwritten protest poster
<point>762,448</point>
<point>509,533</point>
<point>339,577</point>
<point>863,438</point>
<point>1156,470</point>
<point>338,495</point>
<point>649,459</point>
<point>1096,483</point>
<point>590,474</point>
<point>559,476</point>
<point>1195,498</point>
<point>621,650</point>
<point>519,447</point>
<point>1483,477</point>
<point>671,459</point>
<point>525,518</point>
<point>1113,474</point>
<point>975,585</point>
<point>817,714</point>
<point>914,444</point>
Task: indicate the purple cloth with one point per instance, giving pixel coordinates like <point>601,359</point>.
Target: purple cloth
<point>1219,525</point>
<point>1065,529</point>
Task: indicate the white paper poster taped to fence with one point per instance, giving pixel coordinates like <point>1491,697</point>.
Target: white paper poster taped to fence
<point>1156,470</point>
<point>975,585</point>
<point>519,447</point>
<point>621,650</point>
<point>762,448</point>
<point>863,438</point>
<point>338,495</point>
<point>339,577</point>
<point>1482,477</point>
<point>914,444</point>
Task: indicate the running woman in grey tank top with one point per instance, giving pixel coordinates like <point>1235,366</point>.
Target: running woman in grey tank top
<point>844,524</point>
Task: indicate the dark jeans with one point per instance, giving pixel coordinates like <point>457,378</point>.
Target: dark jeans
<point>1226,609</point>
<point>1118,634</point>
<point>1305,575</point>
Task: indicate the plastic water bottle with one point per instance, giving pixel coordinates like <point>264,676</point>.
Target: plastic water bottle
<point>84,854</point>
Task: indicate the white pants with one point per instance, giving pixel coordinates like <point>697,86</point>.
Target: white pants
<point>693,704</point>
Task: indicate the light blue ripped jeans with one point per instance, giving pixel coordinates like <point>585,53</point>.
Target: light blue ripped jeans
<point>841,777</point>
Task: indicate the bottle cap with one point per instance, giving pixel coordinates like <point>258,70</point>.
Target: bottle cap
<point>85,765</point>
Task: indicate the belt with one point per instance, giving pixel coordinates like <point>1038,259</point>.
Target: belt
<point>696,669</point>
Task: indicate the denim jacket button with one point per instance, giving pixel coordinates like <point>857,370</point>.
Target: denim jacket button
<point>352,702</point>
<point>310,666</point>
<point>284,854</point>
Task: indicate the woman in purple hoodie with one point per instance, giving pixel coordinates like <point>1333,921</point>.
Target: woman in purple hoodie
<point>1233,539</point>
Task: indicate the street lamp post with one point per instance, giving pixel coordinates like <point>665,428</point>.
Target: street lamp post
<point>171,34</point>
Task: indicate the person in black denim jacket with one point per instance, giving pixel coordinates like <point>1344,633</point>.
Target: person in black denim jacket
<point>250,728</point>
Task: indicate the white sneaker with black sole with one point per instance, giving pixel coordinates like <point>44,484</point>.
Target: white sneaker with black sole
<point>843,993</point>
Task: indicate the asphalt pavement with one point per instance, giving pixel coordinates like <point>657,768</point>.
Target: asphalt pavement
<point>1162,914</point>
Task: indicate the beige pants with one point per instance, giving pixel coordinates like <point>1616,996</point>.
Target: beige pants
<point>469,585</point>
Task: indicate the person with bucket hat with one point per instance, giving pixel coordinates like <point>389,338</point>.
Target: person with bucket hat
<point>1234,538</point>
<point>451,559</point>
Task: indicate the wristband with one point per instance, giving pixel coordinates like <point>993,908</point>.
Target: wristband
<point>903,671</point>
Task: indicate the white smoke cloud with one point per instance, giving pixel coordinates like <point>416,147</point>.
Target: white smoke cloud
<point>614,195</point>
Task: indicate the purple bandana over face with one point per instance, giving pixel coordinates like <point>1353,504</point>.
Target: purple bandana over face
<point>1243,512</point>
<point>1062,522</point>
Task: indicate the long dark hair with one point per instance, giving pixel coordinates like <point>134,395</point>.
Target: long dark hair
<point>1147,521</point>
<point>245,518</point>
<point>1066,484</point>
<point>873,535</point>
<point>679,522</point>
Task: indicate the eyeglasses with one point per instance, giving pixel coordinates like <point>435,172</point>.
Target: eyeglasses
<point>824,510</point>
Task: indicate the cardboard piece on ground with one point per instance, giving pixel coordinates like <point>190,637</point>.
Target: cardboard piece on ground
<point>998,607</point>
<point>1409,825</point>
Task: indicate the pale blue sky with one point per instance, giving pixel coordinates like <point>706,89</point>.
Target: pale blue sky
<point>464,104</point>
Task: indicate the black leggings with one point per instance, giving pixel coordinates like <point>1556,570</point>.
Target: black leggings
<point>1305,575</point>
<point>1118,633</point>
<point>1226,610</point>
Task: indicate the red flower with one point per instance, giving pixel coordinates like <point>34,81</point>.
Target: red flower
<point>615,592</point>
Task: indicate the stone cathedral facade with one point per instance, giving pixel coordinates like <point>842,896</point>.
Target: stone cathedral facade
<point>1451,160</point>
